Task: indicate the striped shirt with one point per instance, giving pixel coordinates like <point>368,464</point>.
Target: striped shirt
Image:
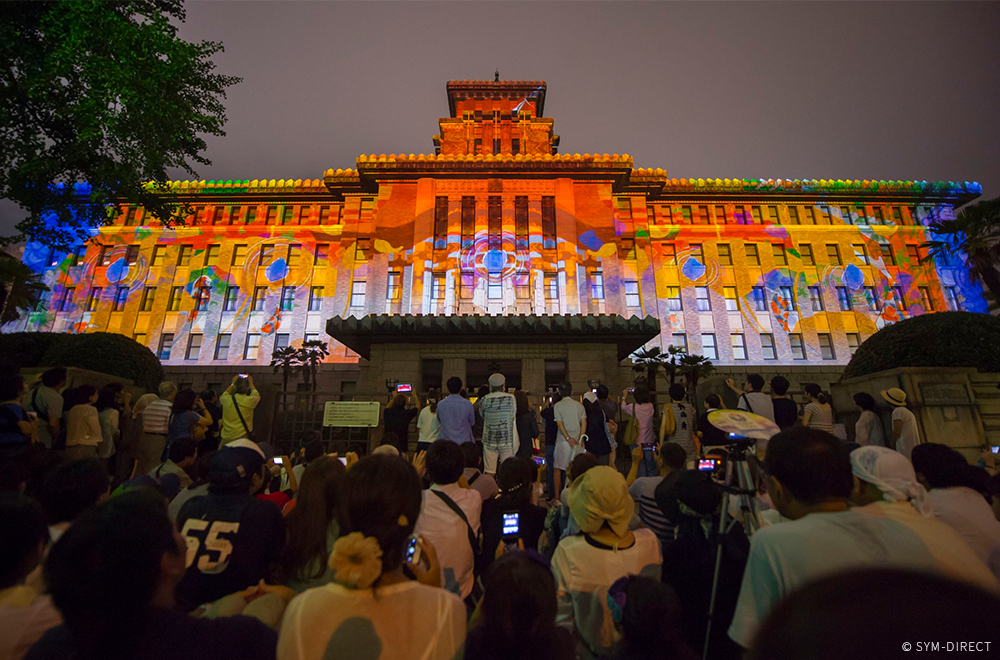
<point>155,417</point>
<point>642,492</point>
<point>499,429</point>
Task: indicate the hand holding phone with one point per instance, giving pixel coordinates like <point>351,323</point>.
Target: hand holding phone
<point>412,551</point>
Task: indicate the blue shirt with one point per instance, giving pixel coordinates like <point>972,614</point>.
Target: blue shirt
<point>454,412</point>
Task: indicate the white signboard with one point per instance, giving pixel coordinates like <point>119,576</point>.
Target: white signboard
<point>351,413</point>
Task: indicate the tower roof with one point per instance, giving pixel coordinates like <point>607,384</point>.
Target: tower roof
<point>514,90</point>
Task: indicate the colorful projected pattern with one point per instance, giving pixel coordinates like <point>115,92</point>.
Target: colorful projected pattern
<point>741,270</point>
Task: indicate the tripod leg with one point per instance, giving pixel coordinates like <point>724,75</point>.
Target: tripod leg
<point>715,574</point>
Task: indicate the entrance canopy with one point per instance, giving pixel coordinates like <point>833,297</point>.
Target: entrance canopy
<point>359,334</point>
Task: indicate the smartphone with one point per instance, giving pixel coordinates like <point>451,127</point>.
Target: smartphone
<point>594,390</point>
<point>412,551</point>
<point>707,465</point>
<point>243,375</point>
<point>995,449</point>
<point>649,448</point>
<point>276,460</point>
<point>342,459</point>
<point>540,460</point>
<point>511,526</point>
<point>631,390</point>
<point>404,387</point>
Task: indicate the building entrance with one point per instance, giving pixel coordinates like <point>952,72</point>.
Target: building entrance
<point>478,372</point>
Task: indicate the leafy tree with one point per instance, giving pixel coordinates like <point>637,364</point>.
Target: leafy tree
<point>21,289</point>
<point>97,101</point>
<point>976,232</point>
<point>652,360</point>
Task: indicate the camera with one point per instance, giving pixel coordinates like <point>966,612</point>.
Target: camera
<point>709,464</point>
<point>404,387</point>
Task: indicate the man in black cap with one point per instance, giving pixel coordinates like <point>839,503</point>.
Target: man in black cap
<point>232,537</point>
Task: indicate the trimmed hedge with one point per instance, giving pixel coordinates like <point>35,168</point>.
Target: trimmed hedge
<point>942,339</point>
<point>106,352</point>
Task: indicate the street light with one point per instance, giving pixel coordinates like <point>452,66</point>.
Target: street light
<point>390,384</point>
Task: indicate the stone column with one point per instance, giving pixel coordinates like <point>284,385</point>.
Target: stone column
<point>533,377</point>
<point>451,367</point>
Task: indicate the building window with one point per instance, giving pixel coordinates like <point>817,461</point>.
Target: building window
<point>753,255</point>
<point>897,215</point>
<point>310,336</point>
<point>786,293</point>
<point>755,214</point>
<point>759,299</point>
<point>322,254</point>
<point>468,222</point>
<point>496,145</point>
<point>732,303</point>
<point>666,215</point>
<point>521,223</point>
<point>222,347</point>
<point>184,256</point>
<point>159,255</point>
<point>440,223</point>
<point>674,299</point>
<point>515,146</point>
<point>78,254</point>
<point>131,255</point>
<point>148,294</point>
<point>708,347</point>
<point>887,256</point>
<point>697,252</point>
<point>720,215</point>
<point>239,255</point>
<point>797,346</point>
<point>925,298</point>
<point>121,297</point>
<point>521,289</point>
<point>67,299</point>
<point>897,295</point>
<point>772,214</point>
<point>874,304</point>
<point>793,215</point>
<point>494,219</point>
<point>702,298</point>
<point>950,298</point>
<point>194,346</point>
<point>669,252</point>
<point>680,340</point>
<point>702,215</point>
<point>166,343</point>
<point>287,298</point>
<point>259,296</point>
<point>739,344</point>
<point>252,346</point>
<point>315,298</point>
<point>212,255</point>
<point>281,340</point>
<point>437,286</point>
<point>624,208</point>
<point>845,214</point>
<point>780,257</point>
<point>853,341</point>
<point>879,215</point>
<point>229,301</point>
<point>725,254</point>
<point>913,252</point>
<point>494,289</point>
<point>105,256</point>
<point>174,301</point>
<point>266,255</point>
<point>860,252</point>
<point>815,299</point>
<point>845,299</point>
<point>217,215</point>
<point>393,286</point>
<point>548,223</point>
<point>806,252</point>
<point>826,346</point>
<point>467,285</point>
<point>631,293</point>
<point>833,254</point>
<point>272,215</point>
<point>358,293</point>
<point>304,212</point>
<point>597,285</point>
<point>251,216</point>
<point>324,215</point>
<point>551,286</point>
<point>767,347</point>
<point>361,249</point>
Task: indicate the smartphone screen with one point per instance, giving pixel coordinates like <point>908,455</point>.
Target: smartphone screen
<point>995,450</point>
<point>276,460</point>
<point>411,550</point>
<point>404,387</point>
<point>242,375</point>
<point>511,525</point>
<point>706,465</point>
<point>342,459</point>
<point>539,460</point>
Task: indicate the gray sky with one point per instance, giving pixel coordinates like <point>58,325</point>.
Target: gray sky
<point>886,90</point>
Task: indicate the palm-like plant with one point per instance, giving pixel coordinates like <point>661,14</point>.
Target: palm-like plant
<point>310,356</point>
<point>285,359</point>
<point>976,232</point>
<point>21,289</point>
<point>653,359</point>
<point>693,368</point>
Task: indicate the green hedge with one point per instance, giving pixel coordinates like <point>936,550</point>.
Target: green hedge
<point>943,339</point>
<point>106,352</point>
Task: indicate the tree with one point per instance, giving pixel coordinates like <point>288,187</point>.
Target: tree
<point>97,101</point>
<point>21,289</point>
<point>310,356</point>
<point>652,360</point>
<point>693,368</point>
<point>976,232</point>
<point>286,359</point>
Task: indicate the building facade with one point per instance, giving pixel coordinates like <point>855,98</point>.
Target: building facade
<point>497,222</point>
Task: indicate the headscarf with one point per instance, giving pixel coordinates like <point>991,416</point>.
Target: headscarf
<point>600,496</point>
<point>892,473</point>
<point>142,402</point>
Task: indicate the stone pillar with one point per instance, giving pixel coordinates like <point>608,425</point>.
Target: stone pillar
<point>452,367</point>
<point>533,377</point>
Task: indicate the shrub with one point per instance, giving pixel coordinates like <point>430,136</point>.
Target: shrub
<point>943,339</point>
<point>108,353</point>
<point>26,349</point>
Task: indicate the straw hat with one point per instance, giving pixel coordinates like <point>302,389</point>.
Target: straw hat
<point>895,396</point>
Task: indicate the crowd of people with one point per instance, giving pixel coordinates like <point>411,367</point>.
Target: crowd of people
<point>590,528</point>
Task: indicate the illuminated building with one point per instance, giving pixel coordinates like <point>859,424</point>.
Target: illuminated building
<point>497,222</point>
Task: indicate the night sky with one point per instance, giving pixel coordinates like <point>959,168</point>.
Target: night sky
<point>887,90</point>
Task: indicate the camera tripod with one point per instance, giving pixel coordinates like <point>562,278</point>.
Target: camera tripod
<point>745,491</point>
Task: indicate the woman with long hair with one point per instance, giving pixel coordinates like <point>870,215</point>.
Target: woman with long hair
<point>312,526</point>
<point>371,603</point>
<point>868,429</point>
<point>109,409</point>
<point>428,425</point>
<point>83,427</point>
<point>188,417</point>
<point>515,482</point>
<point>818,414</point>
<point>527,425</point>
<point>397,418</point>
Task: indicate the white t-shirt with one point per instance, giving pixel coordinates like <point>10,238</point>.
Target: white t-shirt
<point>569,411</point>
<point>909,436</point>
<point>584,574</point>
<point>398,622</point>
<point>428,425</point>
<point>25,615</point>
<point>760,404</point>
<point>868,430</point>
<point>442,527</point>
<point>967,512</point>
<point>788,555</point>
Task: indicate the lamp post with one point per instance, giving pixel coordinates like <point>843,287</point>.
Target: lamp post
<point>390,384</point>
<point>593,384</point>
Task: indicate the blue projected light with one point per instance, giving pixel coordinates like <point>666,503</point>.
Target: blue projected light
<point>276,271</point>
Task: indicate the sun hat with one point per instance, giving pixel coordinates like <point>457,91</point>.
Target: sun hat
<point>895,396</point>
<point>497,380</point>
<point>600,504</point>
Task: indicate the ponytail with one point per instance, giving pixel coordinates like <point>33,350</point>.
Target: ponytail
<point>813,390</point>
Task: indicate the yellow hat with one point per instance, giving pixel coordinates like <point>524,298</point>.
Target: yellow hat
<point>895,396</point>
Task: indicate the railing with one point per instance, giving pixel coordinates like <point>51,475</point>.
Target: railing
<point>296,413</point>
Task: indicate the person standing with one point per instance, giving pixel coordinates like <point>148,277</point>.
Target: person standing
<point>455,414</point>
<point>610,409</point>
<point>598,438</point>
<point>551,433</point>
<point>428,426</point>
<point>18,433</point>
<point>214,408</point>
<point>786,413</point>
<point>499,412</point>
<point>677,424</point>
<point>868,429</point>
<point>527,425</point>
<point>44,400</point>
<point>155,423</point>
<point>671,460</point>
<point>752,398</point>
<point>818,413</point>
<point>238,403</point>
<point>710,435</point>
<point>110,400</point>
<point>905,433</point>
<point>571,418</point>
<point>397,418</point>
<point>642,410</point>
<point>83,425</point>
